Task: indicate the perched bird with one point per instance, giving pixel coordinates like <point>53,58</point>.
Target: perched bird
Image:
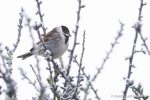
<point>56,41</point>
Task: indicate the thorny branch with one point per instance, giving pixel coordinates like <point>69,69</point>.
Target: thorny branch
<point>5,74</point>
<point>47,52</point>
<point>144,43</point>
<point>80,77</point>
<point>19,29</point>
<point>89,82</point>
<point>91,85</point>
<point>140,25</point>
<point>38,73</point>
<point>40,15</point>
<point>80,6</point>
<point>139,92</point>
<point>137,27</point>
<point>110,51</point>
<point>48,59</point>
<point>24,74</point>
<point>7,63</point>
<point>105,59</point>
<point>37,27</point>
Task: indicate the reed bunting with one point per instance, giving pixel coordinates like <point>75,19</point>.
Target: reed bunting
<point>56,41</point>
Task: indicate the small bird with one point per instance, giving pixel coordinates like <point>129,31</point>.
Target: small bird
<point>57,41</point>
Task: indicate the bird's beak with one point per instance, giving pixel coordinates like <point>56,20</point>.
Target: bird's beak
<point>69,35</point>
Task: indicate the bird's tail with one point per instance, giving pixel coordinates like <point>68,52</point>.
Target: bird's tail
<point>26,55</point>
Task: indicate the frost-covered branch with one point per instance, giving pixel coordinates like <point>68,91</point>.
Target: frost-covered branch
<point>20,26</point>
<point>80,6</point>
<point>137,28</point>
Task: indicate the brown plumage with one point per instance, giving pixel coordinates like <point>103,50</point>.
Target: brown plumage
<point>56,41</point>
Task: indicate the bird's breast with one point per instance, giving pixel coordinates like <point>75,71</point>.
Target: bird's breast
<point>59,50</point>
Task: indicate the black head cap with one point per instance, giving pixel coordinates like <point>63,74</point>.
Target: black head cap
<point>65,30</point>
<point>66,33</point>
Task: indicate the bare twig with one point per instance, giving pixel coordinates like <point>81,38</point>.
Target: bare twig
<point>89,82</point>
<point>110,51</point>
<point>144,43</point>
<point>79,77</point>
<point>106,58</point>
<point>19,29</point>
<point>139,92</point>
<point>80,6</point>
<point>23,73</point>
<point>40,15</point>
<point>7,64</point>
<point>91,85</point>
<point>6,76</point>
<point>140,18</point>
<point>53,79</point>
<point>38,73</point>
<point>137,27</point>
<point>82,69</point>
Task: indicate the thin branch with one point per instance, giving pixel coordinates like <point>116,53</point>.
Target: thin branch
<point>38,2</point>
<point>19,29</point>
<point>37,27</point>
<point>80,6</point>
<point>137,27</point>
<point>91,85</point>
<point>62,73</point>
<point>89,82</point>
<point>82,69</point>
<point>28,79</point>
<point>144,43</point>
<point>79,77</point>
<point>6,76</point>
<point>48,56</point>
<point>110,51</point>
<point>38,74</point>
<point>106,58</point>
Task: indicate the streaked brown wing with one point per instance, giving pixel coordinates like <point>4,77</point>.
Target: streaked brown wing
<point>47,36</point>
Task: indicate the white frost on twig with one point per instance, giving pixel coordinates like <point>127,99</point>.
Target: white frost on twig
<point>48,55</point>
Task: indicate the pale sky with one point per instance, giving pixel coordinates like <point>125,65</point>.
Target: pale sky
<point>100,19</point>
